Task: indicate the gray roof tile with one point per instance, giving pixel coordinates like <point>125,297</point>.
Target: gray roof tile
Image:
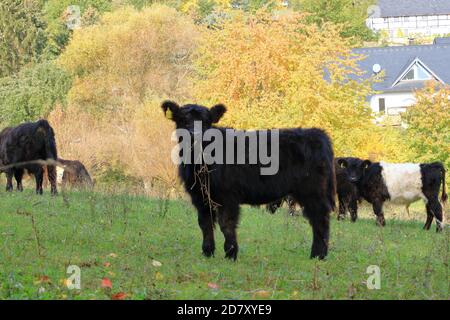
<point>401,8</point>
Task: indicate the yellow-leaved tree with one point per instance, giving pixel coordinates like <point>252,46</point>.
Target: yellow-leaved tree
<point>277,71</point>
<point>123,67</point>
<point>428,124</point>
<point>129,56</point>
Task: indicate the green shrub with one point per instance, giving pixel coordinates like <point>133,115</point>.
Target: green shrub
<point>32,93</point>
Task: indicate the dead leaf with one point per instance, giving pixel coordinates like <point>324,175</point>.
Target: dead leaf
<point>107,264</point>
<point>262,294</point>
<point>112,255</point>
<point>156,263</point>
<point>119,296</point>
<point>106,283</point>
<point>213,285</point>
<point>43,279</point>
<point>159,276</point>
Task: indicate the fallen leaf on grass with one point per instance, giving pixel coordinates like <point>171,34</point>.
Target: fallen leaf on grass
<point>159,276</point>
<point>262,294</point>
<point>107,264</point>
<point>213,285</point>
<point>156,263</point>
<point>106,283</point>
<point>43,279</point>
<point>119,296</point>
<point>112,255</point>
<point>65,282</point>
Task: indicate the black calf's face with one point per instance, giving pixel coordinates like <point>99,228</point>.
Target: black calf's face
<point>354,168</point>
<point>186,116</point>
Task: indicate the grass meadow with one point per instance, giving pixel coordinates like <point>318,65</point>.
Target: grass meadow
<point>135,247</point>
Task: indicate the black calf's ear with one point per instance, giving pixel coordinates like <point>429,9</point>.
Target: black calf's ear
<point>170,108</point>
<point>342,163</point>
<point>366,164</point>
<point>217,112</point>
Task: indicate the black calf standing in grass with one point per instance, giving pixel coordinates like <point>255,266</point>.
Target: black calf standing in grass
<point>306,171</point>
<point>347,190</point>
<point>27,147</point>
<point>402,183</point>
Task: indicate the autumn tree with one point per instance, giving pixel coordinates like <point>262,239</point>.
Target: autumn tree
<point>350,13</point>
<point>428,124</point>
<point>56,16</point>
<point>130,56</point>
<point>279,71</point>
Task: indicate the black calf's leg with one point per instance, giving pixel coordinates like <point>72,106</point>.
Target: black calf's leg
<point>318,214</point>
<point>378,210</point>
<point>206,221</point>
<point>9,177</point>
<point>273,206</point>
<point>291,205</point>
<point>353,208</point>
<point>39,177</point>
<point>51,172</point>
<point>228,221</point>
<point>18,175</point>
<point>342,208</point>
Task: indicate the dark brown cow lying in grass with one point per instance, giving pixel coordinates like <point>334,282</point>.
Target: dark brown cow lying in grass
<point>29,146</point>
<point>73,174</point>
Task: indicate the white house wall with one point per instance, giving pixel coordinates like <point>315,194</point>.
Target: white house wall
<point>399,27</point>
<point>394,102</point>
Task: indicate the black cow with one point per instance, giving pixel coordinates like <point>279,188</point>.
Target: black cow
<point>306,171</point>
<point>401,183</point>
<point>347,190</point>
<point>28,146</point>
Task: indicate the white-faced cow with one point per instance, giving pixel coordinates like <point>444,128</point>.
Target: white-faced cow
<point>305,171</point>
<point>401,183</point>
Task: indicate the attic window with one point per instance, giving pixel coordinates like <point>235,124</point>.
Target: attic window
<point>417,72</point>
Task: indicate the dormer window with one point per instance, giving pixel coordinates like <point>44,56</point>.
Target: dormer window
<point>417,72</point>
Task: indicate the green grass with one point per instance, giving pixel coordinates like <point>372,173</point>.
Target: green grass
<point>118,237</point>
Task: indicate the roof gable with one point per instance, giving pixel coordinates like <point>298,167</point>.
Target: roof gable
<point>421,68</point>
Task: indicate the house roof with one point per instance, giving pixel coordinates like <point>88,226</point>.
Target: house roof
<point>395,60</point>
<point>442,40</point>
<point>404,8</point>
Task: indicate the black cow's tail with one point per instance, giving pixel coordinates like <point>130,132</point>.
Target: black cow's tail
<point>332,184</point>
<point>49,140</point>
<point>444,196</point>
<point>321,153</point>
